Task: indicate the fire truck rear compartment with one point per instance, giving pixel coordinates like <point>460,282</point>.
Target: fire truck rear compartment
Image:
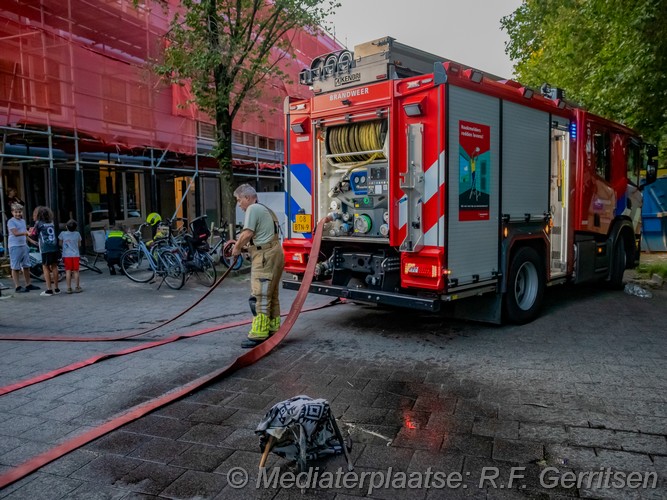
<point>353,174</point>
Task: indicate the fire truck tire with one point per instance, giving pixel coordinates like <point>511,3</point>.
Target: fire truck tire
<point>618,262</point>
<point>525,287</point>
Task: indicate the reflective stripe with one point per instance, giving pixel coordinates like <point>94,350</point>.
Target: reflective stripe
<point>300,196</point>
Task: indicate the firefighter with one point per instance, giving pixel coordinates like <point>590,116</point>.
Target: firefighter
<point>116,243</point>
<point>260,232</point>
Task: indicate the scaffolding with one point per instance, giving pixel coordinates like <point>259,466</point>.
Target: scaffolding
<point>76,91</point>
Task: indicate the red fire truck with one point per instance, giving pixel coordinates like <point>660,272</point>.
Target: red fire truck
<point>442,183</point>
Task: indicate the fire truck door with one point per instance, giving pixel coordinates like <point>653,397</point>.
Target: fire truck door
<point>473,188</point>
<point>558,194</point>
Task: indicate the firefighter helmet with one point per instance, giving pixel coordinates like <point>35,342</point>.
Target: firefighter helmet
<point>153,218</point>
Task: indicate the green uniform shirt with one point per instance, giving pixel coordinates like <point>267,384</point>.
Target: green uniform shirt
<point>258,219</point>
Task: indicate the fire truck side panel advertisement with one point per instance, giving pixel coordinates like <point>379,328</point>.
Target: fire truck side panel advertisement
<point>525,162</point>
<point>474,171</point>
<point>472,252</point>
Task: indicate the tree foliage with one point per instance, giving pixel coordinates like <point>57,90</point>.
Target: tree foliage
<point>609,55</point>
<point>225,49</point>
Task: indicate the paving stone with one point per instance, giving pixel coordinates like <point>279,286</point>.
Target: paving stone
<point>475,408</point>
<point>434,403</point>
<point>419,439</point>
<point>153,425</point>
<point>201,457</point>
<point>349,396</point>
<point>319,392</point>
<point>621,460</point>
<point>150,478</point>
<point>194,484</point>
<point>244,419</point>
<point>253,402</point>
<point>213,435</point>
<point>516,451</point>
<point>495,428</point>
<point>544,433</point>
<point>461,424</point>
<point>383,457</point>
<point>16,425</point>
<point>237,384</point>
<point>242,439</point>
<point>22,453</point>
<point>437,461</point>
<point>107,469</point>
<point>369,433</point>
<point>118,443</point>
<point>52,431</point>
<point>365,415</point>
<point>247,460</point>
<point>571,456</point>
<point>478,446</point>
<point>389,401</point>
<point>69,463</point>
<point>45,487</point>
<point>159,450</point>
<point>408,418</point>
<point>211,414</point>
<point>92,491</point>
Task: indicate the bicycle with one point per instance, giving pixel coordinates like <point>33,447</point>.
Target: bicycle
<point>37,272</point>
<point>141,264</point>
<point>194,249</point>
<point>222,250</point>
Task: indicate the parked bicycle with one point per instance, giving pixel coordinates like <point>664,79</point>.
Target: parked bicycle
<point>194,249</point>
<point>141,264</point>
<point>222,250</point>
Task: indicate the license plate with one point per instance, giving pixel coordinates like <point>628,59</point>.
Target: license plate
<point>302,224</point>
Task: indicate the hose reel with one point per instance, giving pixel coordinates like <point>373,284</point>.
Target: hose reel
<point>362,142</point>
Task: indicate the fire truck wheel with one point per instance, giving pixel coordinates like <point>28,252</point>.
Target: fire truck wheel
<point>615,280</point>
<point>525,287</point>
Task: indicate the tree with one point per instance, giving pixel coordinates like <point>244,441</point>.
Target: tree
<point>225,50</point>
<point>610,56</point>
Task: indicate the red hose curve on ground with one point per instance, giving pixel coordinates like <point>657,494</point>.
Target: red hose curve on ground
<point>138,411</point>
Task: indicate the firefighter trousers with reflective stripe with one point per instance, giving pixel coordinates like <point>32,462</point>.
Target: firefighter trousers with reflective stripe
<point>265,273</point>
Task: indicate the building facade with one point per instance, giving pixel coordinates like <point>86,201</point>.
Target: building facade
<point>88,130</point>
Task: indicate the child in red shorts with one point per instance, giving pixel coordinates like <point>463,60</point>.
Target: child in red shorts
<point>70,241</point>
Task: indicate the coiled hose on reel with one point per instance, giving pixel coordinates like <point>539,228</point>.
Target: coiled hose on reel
<point>355,138</point>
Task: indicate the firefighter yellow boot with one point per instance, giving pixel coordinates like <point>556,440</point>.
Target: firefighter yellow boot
<point>259,331</point>
<point>274,325</point>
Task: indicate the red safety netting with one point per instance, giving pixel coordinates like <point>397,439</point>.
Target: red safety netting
<point>81,65</point>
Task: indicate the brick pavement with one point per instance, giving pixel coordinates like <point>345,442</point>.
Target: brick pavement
<point>581,388</point>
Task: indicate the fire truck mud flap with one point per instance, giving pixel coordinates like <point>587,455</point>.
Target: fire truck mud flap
<point>431,304</point>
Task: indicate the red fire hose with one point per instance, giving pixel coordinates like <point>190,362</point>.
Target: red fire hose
<point>138,411</point>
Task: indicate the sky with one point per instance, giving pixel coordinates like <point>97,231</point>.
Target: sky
<point>467,31</point>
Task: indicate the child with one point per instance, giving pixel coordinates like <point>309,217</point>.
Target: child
<point>45,233</point>
<point>70,241</point>
<point>19,257</point>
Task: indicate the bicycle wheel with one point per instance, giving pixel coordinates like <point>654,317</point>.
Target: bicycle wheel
<point>172,269</point>
<point>136,266</point>
<point>205,273</point>
<point>227,259</point>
